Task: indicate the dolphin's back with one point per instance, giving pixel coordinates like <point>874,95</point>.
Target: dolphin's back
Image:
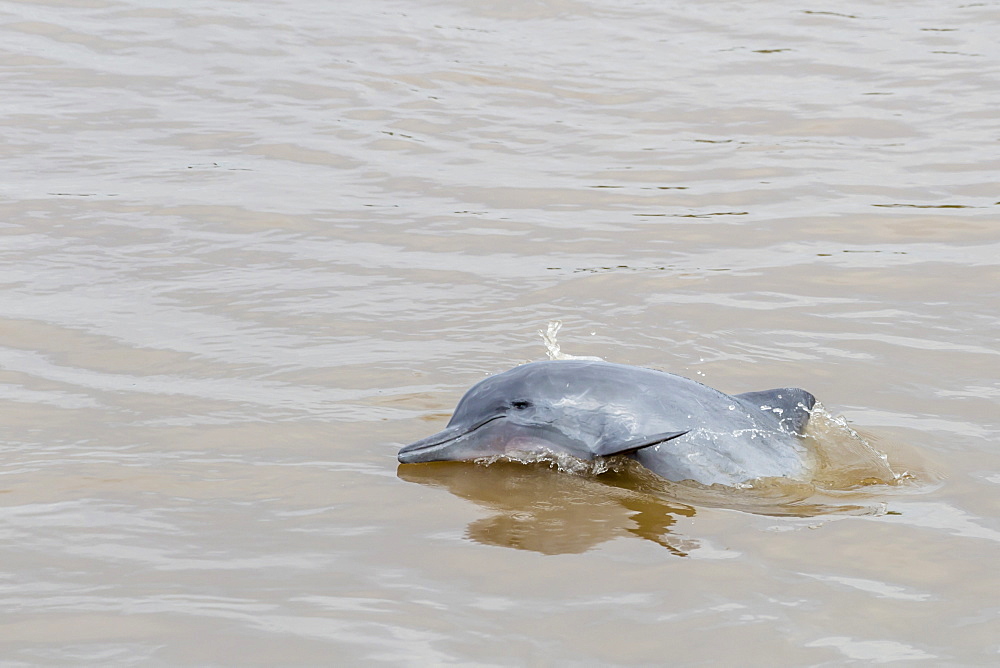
<point>792,405</point>
<point>731,439</point>
<point>734,439</point>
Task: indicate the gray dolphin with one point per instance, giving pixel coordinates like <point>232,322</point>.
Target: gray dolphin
<point>676,427</point>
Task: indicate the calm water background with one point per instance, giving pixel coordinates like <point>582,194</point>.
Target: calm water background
<point>251,248</point>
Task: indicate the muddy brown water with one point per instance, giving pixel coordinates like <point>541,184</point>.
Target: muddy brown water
<point>250,249</point>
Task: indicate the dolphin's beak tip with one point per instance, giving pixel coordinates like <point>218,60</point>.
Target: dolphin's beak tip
<point>406,455</point>
<point>431,449</point>
<point>418,452</point>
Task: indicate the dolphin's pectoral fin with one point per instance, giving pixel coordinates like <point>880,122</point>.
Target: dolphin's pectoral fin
<point>789,404</point>
<point>628,447</point>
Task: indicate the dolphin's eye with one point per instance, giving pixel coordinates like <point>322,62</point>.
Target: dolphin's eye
<point>520,405</point>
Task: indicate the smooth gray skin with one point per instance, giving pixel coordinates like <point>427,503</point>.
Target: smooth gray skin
<point>676,427</point>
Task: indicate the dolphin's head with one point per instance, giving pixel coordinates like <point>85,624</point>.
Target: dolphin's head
<point>543,407</point>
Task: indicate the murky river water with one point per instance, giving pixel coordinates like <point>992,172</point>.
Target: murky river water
<point>251,248</point>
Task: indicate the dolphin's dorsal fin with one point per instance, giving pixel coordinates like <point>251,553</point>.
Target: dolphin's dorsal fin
<point>789,404</point>
<point>628,447</point>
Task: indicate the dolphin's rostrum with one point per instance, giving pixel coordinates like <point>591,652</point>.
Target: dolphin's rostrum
<point>676,427</point>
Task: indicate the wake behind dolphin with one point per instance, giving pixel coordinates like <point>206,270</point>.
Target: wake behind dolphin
<point>676,427</point>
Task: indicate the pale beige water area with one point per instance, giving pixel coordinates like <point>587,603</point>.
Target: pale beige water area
<point>249,249</point>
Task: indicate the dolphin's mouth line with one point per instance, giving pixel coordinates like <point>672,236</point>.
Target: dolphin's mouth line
<point>420,447</point>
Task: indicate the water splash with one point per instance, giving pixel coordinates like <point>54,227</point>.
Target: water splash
<point>561,462</point>
<point>844,458</point>
<point>552,346</point>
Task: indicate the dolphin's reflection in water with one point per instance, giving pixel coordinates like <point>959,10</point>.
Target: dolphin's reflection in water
<point>546,507</point>
<point>544,510</point>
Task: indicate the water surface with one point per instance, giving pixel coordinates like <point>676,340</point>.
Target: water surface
<point>250,249</point>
